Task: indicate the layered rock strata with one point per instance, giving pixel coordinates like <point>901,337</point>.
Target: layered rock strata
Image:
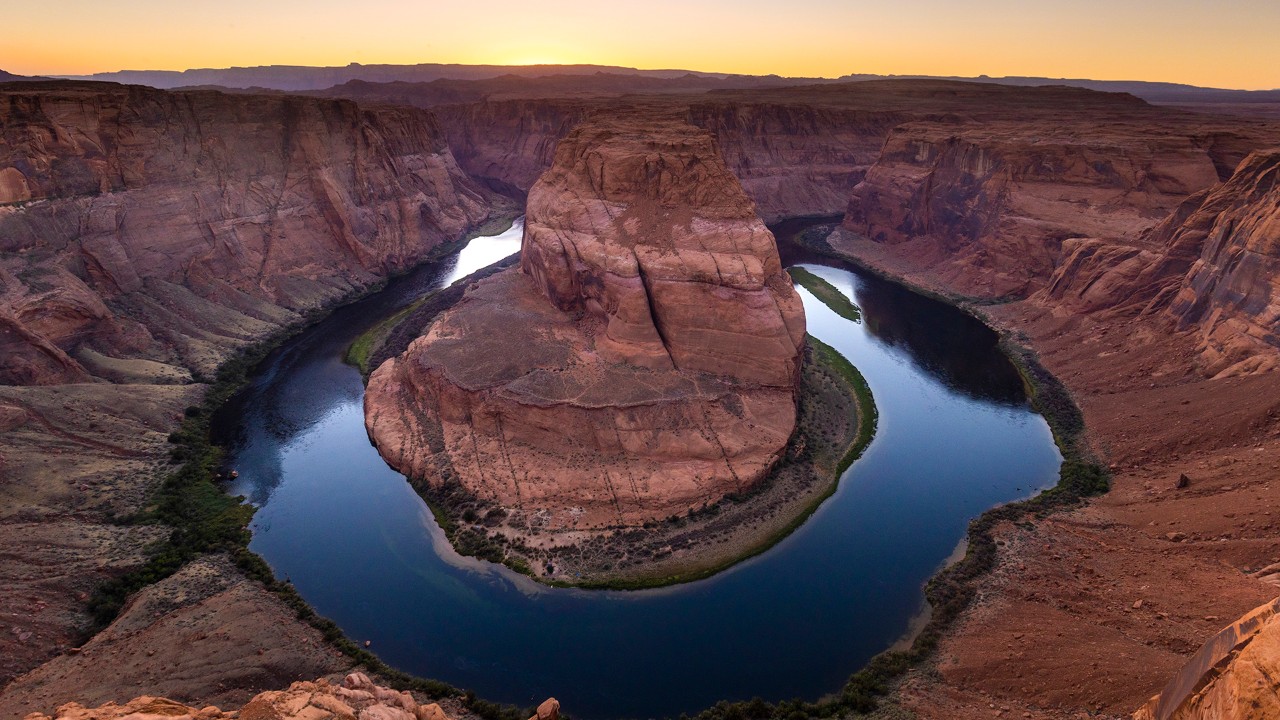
<point>1212,266</point>
<point>1231,294</point>
<point>995,202</point>
<point>165,227</point>
<point>355,698</point>
<point>640,364</point>
<point>1232,677</point>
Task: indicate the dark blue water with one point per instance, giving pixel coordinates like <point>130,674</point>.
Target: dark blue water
<point>955,438</point>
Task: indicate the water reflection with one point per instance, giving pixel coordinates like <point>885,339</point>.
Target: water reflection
<point>363,548</point>
<point>306,380</point>
<point>925,330</point>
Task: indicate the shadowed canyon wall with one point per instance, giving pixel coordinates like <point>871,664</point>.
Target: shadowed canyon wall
<point>144,237</point>
<point>137,224</point>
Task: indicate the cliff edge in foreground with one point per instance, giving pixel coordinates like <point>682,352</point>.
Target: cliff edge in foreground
<point>356,697</point>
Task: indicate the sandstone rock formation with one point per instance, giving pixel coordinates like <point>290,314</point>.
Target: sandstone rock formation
<point>144,237</point>
<point>1213,265</point>
<point>997,200</point>
<point>1231,295</point>
<point>1232,677</point>
<point>356,698</point>
<point>642,362</point>
<point>174,227</point>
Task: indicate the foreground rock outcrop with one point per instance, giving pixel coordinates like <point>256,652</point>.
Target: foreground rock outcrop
<point>206,635</point>
<point>355,698</point>
<point>642,362</point>
<point>1233,677</point>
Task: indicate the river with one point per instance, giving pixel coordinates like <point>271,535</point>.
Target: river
<point>956,436</point>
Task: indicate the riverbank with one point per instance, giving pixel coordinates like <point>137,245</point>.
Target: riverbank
<point>175,545</point>
<point>836,421</point>
<point>1091,607</point>
<point>954,589</point>
<point>361,352</point>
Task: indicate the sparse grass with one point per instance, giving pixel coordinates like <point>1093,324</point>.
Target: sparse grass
<point>839,303</point>
<point>868,416</point>
<point>364,349</point>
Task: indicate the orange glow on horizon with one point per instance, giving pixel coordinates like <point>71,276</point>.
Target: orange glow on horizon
<point>1229,44</point>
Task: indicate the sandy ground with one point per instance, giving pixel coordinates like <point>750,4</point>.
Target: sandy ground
<point>1090,612</point>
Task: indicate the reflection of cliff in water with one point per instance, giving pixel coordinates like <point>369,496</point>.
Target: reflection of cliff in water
<point>950,345</point>
<point>306,380</point>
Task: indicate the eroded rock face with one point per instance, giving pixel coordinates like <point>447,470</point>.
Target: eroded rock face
<point>794,157</point>
<point>1213,266</point>
<point>1231,294</point>
<point>995,201</point>
<point>641,363</point>
<point>177,226</point>
<point>645,228</point>
<point>1232,677</point>
<point>357,697</point>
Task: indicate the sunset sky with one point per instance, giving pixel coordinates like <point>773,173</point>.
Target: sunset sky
<point>1229,43</point>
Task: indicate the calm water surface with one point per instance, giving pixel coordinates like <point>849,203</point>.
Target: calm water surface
<point>955,438</point>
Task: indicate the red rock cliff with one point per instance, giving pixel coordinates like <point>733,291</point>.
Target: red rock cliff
<point>793,158</point>
<point>137,223</point>
<point>641,364</point>
<point>1231,294</point>
<point>996,201</point>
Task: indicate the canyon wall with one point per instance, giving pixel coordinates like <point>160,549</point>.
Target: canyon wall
<point>144,237</point>
<point>640,364</point>
<point>995,202</point>
<point>1231,294</point>
<point>509,144</point>
<point>1210,267</point>
<point>165,227</point>
<point>793,158</point>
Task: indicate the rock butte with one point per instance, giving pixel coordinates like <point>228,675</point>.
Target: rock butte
<point>642,362</point>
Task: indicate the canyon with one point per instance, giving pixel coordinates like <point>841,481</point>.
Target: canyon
<point>147,235</point>
<point>145,238</point>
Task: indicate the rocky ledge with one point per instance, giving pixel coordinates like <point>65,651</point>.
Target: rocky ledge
<point>356,698</point>
<point>642,362</point>
<point>1231,676</point>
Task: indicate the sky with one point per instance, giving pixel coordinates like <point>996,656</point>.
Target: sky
<point>1228,43</point>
